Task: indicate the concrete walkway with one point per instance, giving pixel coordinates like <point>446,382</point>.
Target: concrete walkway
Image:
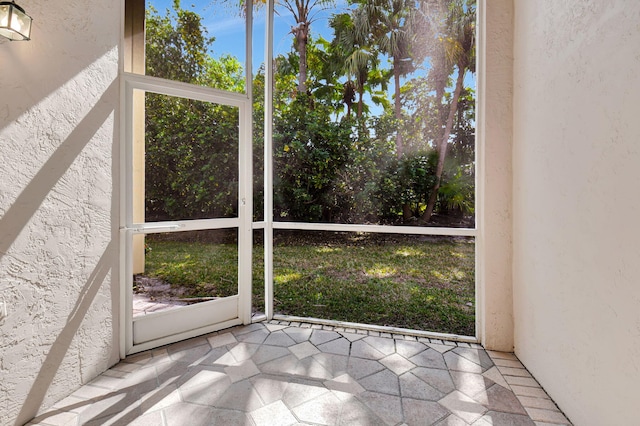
<point>282,373</point>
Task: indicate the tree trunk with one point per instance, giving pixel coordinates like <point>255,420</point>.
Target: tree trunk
<point>398,107</point>
<point>301,33</point>
<point>442,147</point>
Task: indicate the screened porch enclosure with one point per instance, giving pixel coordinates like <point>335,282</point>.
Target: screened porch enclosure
<point>342,173</point>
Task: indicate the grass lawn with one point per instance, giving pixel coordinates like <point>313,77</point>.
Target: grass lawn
<point>412,282</point>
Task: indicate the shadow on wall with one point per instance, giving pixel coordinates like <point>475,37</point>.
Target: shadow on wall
<point>30,199</point>
<point>19,214</point>
<point>59,131</point>
<point>62,343</point>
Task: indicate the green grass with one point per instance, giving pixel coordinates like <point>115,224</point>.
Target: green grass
<point>401,282</point>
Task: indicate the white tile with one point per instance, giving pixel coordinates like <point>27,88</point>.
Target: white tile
<point>241,371</point>
<point>397,364</point>
<point>222,340</point>
<point>275,414</point>
<point>303,350</point>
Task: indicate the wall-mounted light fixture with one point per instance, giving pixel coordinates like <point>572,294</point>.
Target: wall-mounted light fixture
<point>15,24</point>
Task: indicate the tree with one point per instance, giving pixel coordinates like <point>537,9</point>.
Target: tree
<point>303,15</point>
<point>398,31</point>
<point>457,43</point>
<point>355,51</point>
<point>176,52</point>
<point>191,146</point>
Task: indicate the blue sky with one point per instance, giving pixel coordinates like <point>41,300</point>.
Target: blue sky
<point>222,20</point>
<point>224,23</point>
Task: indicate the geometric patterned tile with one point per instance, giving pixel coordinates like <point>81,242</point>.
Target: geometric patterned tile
<point>458,363</point>
<point>241,371</point>
<point>257,336</point>
<point>339,346</point>
<point>324,409</point>
<point>478,356</point>
<point>440,348</point>
<point>359,368</point>
<point>319,337</point>
<point>494,375</point>
<point>382,382</point>
<point>344,383</point>
<point>298,334</point>
<point>470,384</point>
<point>283,373</point>
<point>497,398</point>
<point>303,349</point>
<point>417,412</point>
<point>408,349</point>
<point>493,418</point>
<point>279,338</point>
<point>453,420</point>
<point>361,349</point>
<point>335,365</point>
<point>240,396</point>
<point>463,406</point>
<point>429,358</point>
<point>298,393</point>
<point>270,388</point>
<point>386,346</point>
<point>387,407</point>
<point>413,387</point>
<point>356,413</point>
<point>436,378</point>
<point>275,414</point>
<point>397,363</point>
<point>222,340</point>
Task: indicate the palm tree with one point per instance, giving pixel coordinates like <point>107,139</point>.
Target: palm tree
<point>357,54</point>
<point>397,29</point>
<point>303,14</point>
<point>456,52</point>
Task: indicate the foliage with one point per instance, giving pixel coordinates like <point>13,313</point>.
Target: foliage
<point>406,182</point>
<point>345,149</point>
<point>309,152</point>
<point>191,146</point>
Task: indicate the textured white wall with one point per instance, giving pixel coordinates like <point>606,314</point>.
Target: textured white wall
<point>576,204</point>
<point>58,257</point>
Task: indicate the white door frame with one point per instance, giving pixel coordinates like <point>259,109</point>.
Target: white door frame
<point>209,316</point>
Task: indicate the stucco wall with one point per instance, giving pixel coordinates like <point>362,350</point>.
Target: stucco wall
<point>495,131</point>
<point>58,259</point>
<point>576,204</point>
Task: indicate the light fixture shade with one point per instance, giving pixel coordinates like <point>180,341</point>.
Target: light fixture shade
<point>15,24</point>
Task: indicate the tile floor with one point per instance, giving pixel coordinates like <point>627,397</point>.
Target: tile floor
<point>282,373</point>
